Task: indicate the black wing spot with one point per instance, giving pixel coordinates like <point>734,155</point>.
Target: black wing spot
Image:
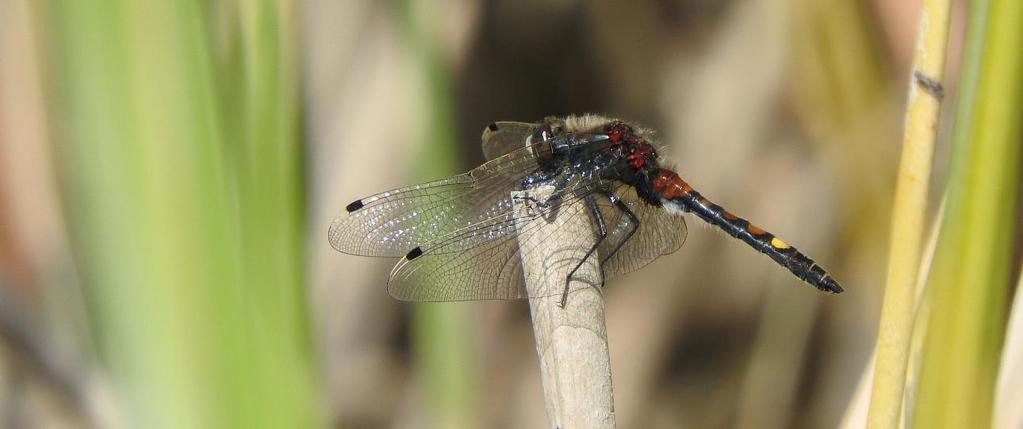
<point>415,253</point>
<point>355,205</point>
<point>492,126</point>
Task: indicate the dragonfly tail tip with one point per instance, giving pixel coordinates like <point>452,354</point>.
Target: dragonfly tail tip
<point>831,286</point>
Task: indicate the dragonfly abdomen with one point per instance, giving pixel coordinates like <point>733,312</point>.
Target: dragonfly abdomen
<point>677,195</point>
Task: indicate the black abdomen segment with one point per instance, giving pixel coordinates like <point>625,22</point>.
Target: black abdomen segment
<point>780,251</point>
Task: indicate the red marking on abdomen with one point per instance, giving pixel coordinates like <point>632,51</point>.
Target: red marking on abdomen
<point>668,185</point>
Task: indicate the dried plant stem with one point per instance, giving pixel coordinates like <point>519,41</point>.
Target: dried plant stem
<point>908,215</point>
<point>572,341</point>
<point>856,411</point>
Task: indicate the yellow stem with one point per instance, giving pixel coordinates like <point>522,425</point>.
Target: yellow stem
<point>908,215</point>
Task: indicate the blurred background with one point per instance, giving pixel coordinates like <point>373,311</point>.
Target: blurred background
<point>168,172</point>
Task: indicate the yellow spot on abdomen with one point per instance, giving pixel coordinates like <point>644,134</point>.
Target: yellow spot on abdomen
<point>779,243</point>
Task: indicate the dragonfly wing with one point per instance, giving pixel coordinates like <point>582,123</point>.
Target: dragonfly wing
<point>392,223</point>
<point>504,137</point>
<point>451,271</point>
<point>659,233</point>
<point>484,261</point>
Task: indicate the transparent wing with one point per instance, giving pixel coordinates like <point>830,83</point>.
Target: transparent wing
<point>484,261</point>
<point>392,223</point>
<point>472,265</point>
<point>504,137</point>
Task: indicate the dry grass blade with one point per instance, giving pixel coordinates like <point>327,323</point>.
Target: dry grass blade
<point>908,215</point>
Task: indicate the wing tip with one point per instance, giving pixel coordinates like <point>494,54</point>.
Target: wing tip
<point>334,237</point>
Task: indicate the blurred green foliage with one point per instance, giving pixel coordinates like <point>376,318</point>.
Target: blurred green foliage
<point>441,331</point>
<point>973,266</point>
<point>181,165</point>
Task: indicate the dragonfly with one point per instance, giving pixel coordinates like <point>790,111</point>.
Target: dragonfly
<point>458,237</point>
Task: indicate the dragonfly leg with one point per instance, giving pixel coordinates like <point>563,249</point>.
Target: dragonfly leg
<point>551,205</point>
<point>530,199</point>
<point>591,203</point>
<point>632,216</point>
<point>554,202</point>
